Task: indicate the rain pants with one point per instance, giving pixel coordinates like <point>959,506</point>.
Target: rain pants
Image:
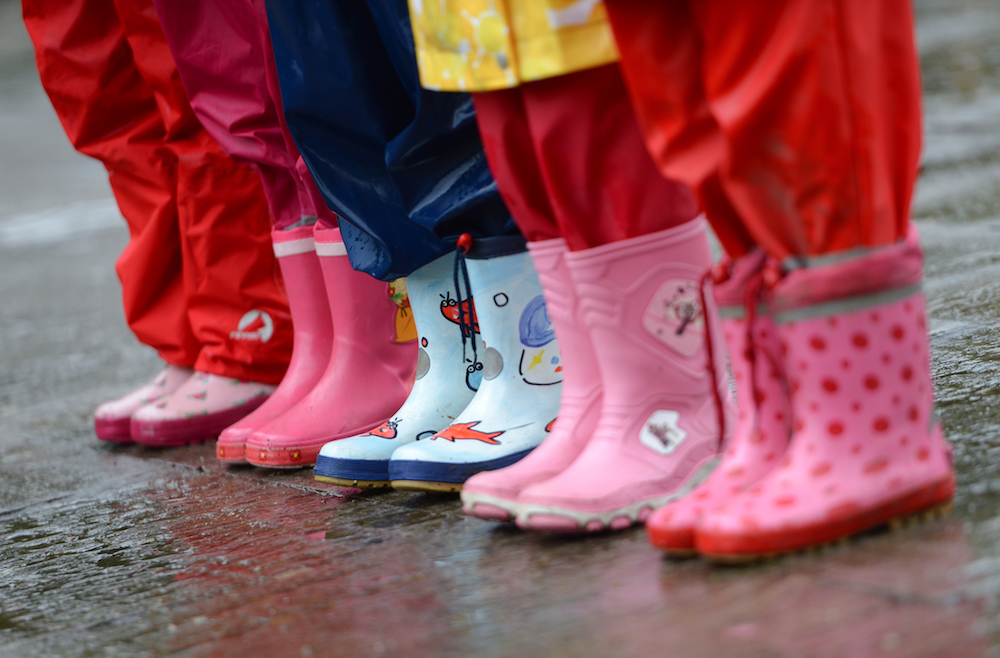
<point>199,279</point>
<point>401,166</point>
<point>561,139</point>
<point>796,121</point>
<point>224,57</point>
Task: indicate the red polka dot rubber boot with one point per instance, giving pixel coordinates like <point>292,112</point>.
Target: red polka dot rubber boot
<point>494,494</point>
<point>866,448</point>
<point>763,422</point>
<point>368,376</point>
<point>665,397</point>
<point>113,420</point>
<point>313,338</point>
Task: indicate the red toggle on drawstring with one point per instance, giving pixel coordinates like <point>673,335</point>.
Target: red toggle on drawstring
<point>464,243</point>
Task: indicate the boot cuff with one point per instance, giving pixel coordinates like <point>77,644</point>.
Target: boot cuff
<point>873,274</point>
<point>501,245</point>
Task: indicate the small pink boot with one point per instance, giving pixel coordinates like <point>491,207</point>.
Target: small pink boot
<point>368,376</point>
<point>664,395</point>
<point>313,338</point>
<point>198,410</point>
<point>113,420</point>
<point>494,494</point>
<point>764,419</point>
<point>866,448</point>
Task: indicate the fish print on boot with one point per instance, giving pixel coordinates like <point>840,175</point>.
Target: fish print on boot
<point>448,373</point>
<point>521,372</point>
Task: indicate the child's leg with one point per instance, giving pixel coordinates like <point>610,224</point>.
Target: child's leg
<point>110,113</point>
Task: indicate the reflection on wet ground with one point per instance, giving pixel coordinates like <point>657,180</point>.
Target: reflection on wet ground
<point>125,551</point>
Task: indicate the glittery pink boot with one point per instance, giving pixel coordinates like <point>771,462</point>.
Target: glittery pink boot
<point>866,448</point>
<point>313,338</point>
<point>493,494</point>
<point>664,395</point>
<point>764,419</point>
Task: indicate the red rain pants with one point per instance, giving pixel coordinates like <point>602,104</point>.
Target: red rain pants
<point>224,57</point>
<point>797,122</point>
<point>569,160</point>
<point>200,256</point>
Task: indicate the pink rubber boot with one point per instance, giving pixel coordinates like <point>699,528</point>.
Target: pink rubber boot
<point>198,410</point>
<point>368,376</point>
<point>664,397</point>
<point>494,494</point>
<point>113,420</point>
<point>866,448</point>
<point>313,338</point>
<point>763,422</point>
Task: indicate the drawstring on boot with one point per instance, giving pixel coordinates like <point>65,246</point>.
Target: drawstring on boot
<point>468,328</point>
<point>719,404</point>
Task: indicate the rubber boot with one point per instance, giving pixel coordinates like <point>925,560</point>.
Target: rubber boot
<point>519,396</point>
<point>764,417</point>
<point>494,494</point>
<point>665,396</point>
<point>312,334</point>
<point>113,420</point>
<point>369,373</point>
<point>866,448</point>
<point>446,380</point>
<point>200,408</point>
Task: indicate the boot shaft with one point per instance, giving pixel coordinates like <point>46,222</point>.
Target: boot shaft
<point>642,302</point>
<point>361,307</point>
<point>295,251</point>
<point>581,376</point>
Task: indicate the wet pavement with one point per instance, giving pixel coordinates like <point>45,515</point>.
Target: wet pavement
<point>125,551</point>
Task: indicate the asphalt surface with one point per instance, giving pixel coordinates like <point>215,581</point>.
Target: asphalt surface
<point>124,551</point>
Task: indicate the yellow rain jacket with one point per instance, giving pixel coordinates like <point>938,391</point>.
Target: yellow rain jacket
<point>479,45</point>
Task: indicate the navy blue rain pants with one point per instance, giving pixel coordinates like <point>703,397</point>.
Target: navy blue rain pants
<point>402,165</point>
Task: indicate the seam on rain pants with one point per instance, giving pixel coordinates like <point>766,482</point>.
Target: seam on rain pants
<point>570,161</point>
<point>797,122</point>
<point>199,259</point>
<point>402,167</point>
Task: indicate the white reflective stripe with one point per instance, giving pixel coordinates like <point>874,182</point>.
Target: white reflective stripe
<point>331,249</point>
<point>847,304</point>
<point>294,247</point>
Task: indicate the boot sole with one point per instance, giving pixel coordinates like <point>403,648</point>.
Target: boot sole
<point>488,508</point>
<point>185,431</point>
<point>435,487</point>
<point>364,473</point>
<point>415,475</point>
<point>283,458</point>
<point>359,484</point>
<point>114,431</point>
<point>925,504</point>
<point>563,520</point>
<point>227,453</point>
